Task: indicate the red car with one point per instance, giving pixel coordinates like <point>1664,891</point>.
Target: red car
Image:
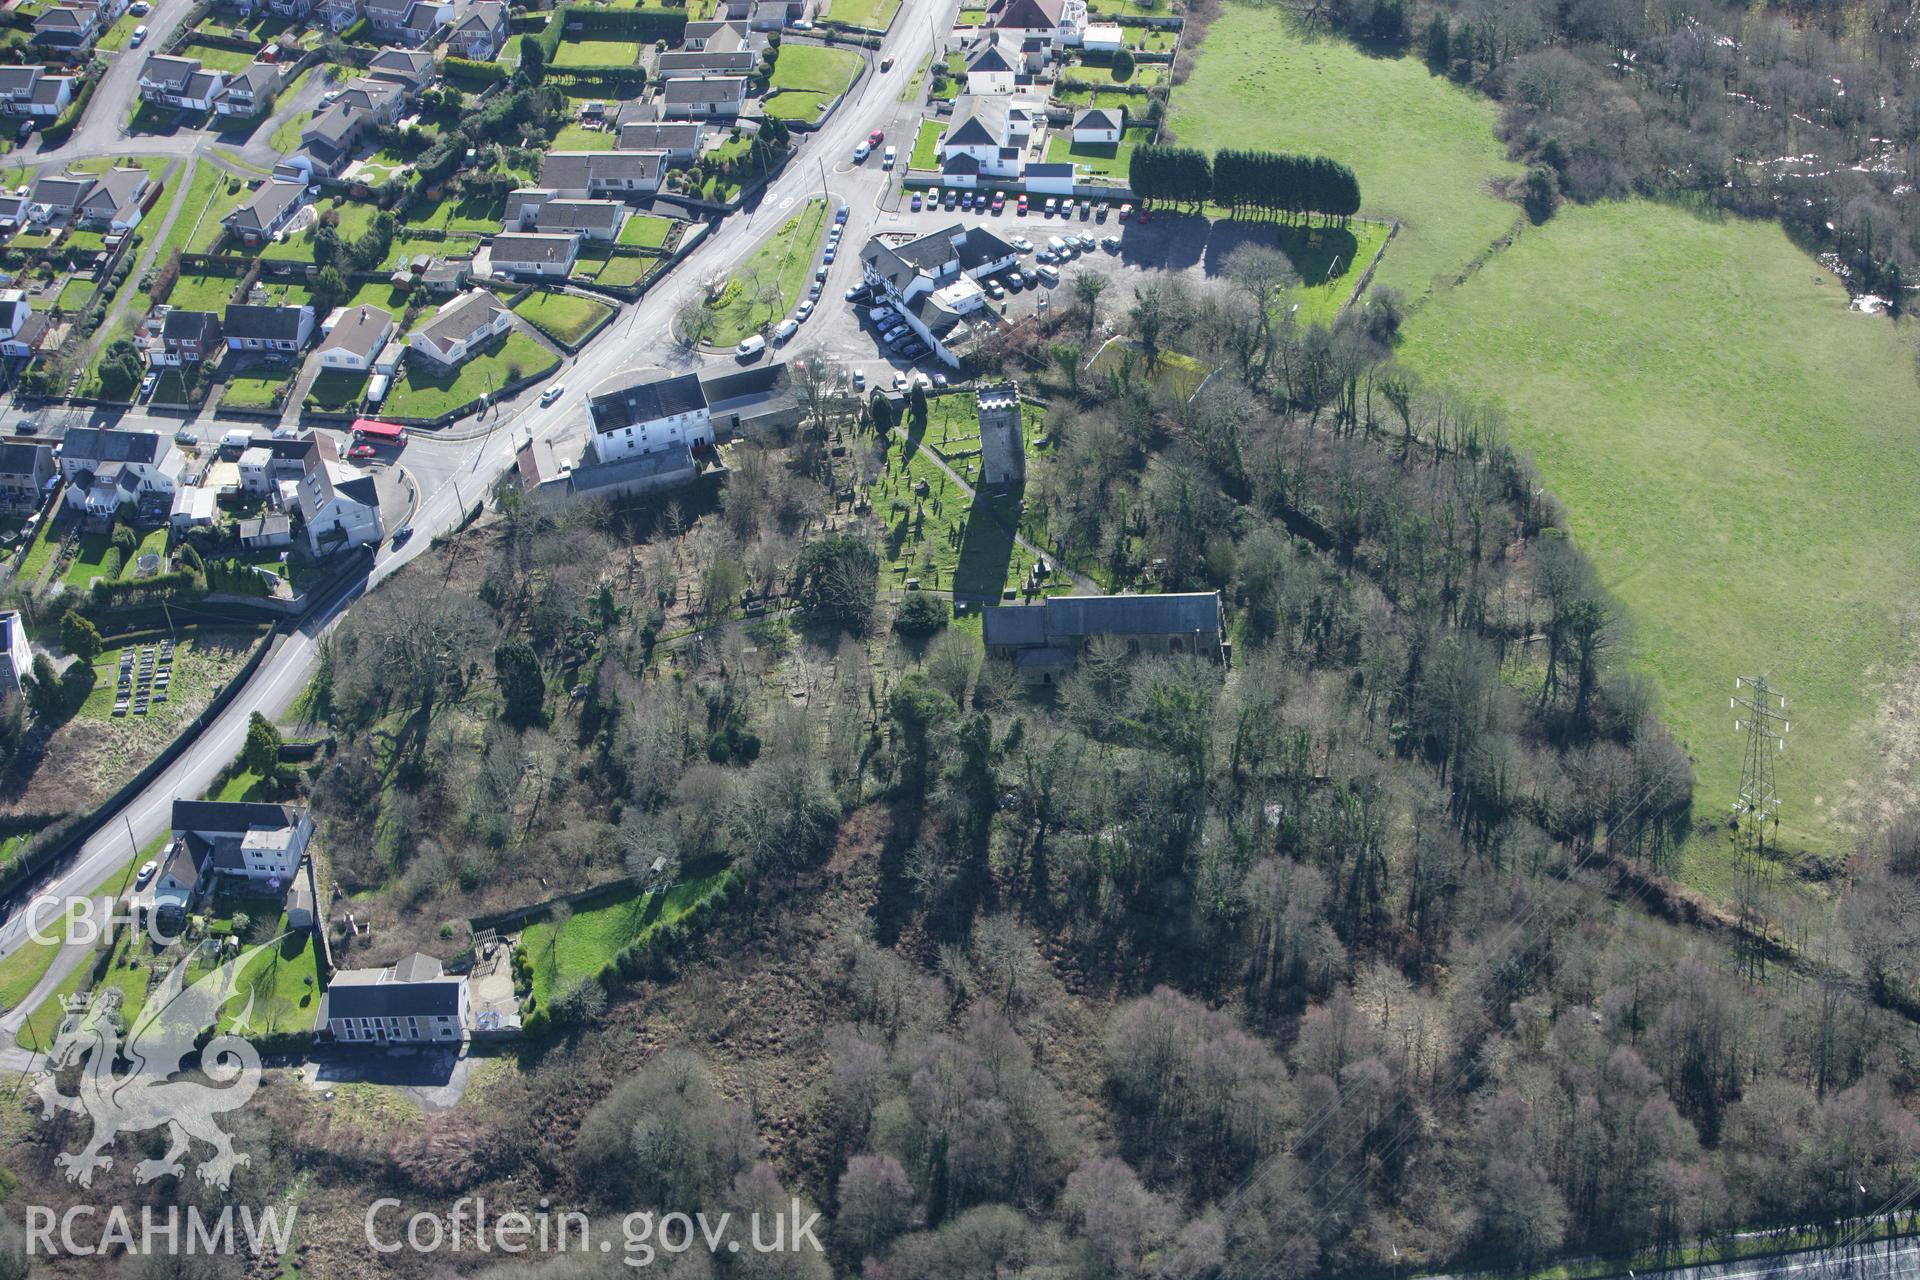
<point>1021,208</point>
<point>360,451</point>
<point>875,138</point>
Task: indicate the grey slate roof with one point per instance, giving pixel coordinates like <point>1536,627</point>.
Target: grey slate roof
<point>1070,618</point>
<point>246,320</point>
<point>706,89</point>
<point>21,460</point>
<point>628,398</point>
<point>234,816</point>
<point>672,460</point>
<point>1099,118</point>
<point>108,444</point>
<point>660,136</point>
<point>394,998</point>
<point>531,247</point>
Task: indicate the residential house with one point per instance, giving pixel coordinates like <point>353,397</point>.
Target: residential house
<point>681,64</point>
<point>931,280</point>
<point>987,139</point>
<point>409,22</point>
<point>715,37</point>
<point>1044,640</point>
<point>990,71</point>
<point>703,97</point>
<point>327,143</point>
<point>1049,179</point>
<point>105,467</point>
<point>638,413</point>
<point>111,199</point>
<point>180,82</point>
<point>1003,444</point>
<point>266,532</point>
<point>679,141</point>
<point>1055,22</point>
<point>70,28</point>
<point>260,845</point>
<point>412,1002</point>
<point>460,328</point>
<point>766,15</point>
<point>666,468</point>
<point>193,507</point>
<point>16,314</point>
<point>411,69</point>
<point>24,341</point>
<point>24,472</point>
<point>340,507</point>
<point>247,93</point>
<point>31,91</point>
<point>16,655</point>
<point>538,209</point>
<point>527,253</point>
<point>353,336</point>
<point>594,174</point>
<point>283,329</point>
<point>186,337</point>
<point>298,9</point>
<point>755,400</point>
<point>1099,125</point>
<point>382,99</point>
<point>481,33</point>
<point>270,207</point>
<point>269,464</point>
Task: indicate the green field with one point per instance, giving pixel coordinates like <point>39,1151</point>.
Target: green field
<point>600,927</point>
<point>646,231</point>
<point>420,393</point>
<point>597,53</point>
<point>875,15</point>
<point>562,315</point>
<point>806,78</point>
<point>1422,147</point>
<point>784,260</point>
<point>1735,450</point>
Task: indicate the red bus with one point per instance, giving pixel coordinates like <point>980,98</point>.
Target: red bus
<point>371,429</point>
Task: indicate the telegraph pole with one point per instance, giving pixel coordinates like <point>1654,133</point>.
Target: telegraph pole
<point>1762,718</point>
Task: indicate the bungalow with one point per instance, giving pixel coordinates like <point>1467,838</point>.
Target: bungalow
<point>460,328</point>
<point>412,1002</point>
<point>24,472</point>
<point>990,71</point>
<point>703,97</point>
<point>180,82</point>
<point>340,507</point>
<point>1042,640</point>
<point>592,174</point>
<point>16,654</point>
<point>1049,179</point>
<point>715,37</point>
<point>187,337</point>
<point>678,141</point>
<point>267,328</point>
<point>353,336</point>
<point>1099,125</point>
<point>411,69</point>
<point>247,92</point>
<point>538,210</point>
<point>260,844</point>
<point>270,207</point>
<point>105,467</point>
<point>30,91</point>
<point>526,253</point>
<point>482,32</point>
<point>768,15</point>
<point>682,64</point>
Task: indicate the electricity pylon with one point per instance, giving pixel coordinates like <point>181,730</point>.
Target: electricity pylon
<point>1764,721</point>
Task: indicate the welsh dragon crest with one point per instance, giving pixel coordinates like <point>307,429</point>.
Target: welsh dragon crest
<point>145,1095</point>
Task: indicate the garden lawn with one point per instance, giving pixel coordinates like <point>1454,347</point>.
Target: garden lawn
<point>284,982</point>
<point>875,15</point>
<point>596,53</point>
<point>1735,451</point>
<point>646,231</point>
<point>89,561</point>
<point>75,293</point>
<point>337,390</point>
<point>203,292</point>
<point>216,59</point>
<point>926,146</point>
<point>785,259</point>
<point>562,315</point>
<point>1109,158</point>
<point>1422,147</point>
<point>287,136</point>
<point>46,540</point>
<point>1329,261</point>
<point>118,34</point>
<point>195,191</point>
<point>476,212</point>
<point>617,269</point>
<point>203,229</point>
<point>254,388</point>
<point>600,927</point>
<point>419,393</point>
<point>806,78</point>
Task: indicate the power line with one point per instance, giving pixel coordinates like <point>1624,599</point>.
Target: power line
<point>1756,811</point>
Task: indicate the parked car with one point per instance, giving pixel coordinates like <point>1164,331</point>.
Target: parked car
<point>1146,215</point>
<point>1100,213</point>
<point>183,436</point>
<point>1046,255</point>
<point>828,256</point>
<point>999,201</point>
<point>1086,209</point>
<point>840,215</point>
<point>859,380</point>
<point>553,393</point>
<point>880,315</point>
<point>886,160</point>
<point>1056,244</point>
<point>139,36</point>
<point>899,381</point>
<point>139,8</point>
<point>861,152</point>
<point>27,427</point>
<point>1049,276</point>
<point>1053,206</point>
<point>1021,243</point>
<point>26,129</point>
<point>995,292</point>
<point>751,348</point>
<point>916,203</point>
<point>1015,281</point>
<point>148,383</point>
<point>1126,211</point>
<point>802,311</point>
<point>875,138</point>
<point>785,329</point>
<point>1088,244</point>
<point>914,350</point>
<point>858,293</point>
<point>1020,205</point>
<point>360,452</point>
<point>886,63</point>
<point>802,24</point>
<point>895,334</point>
<point>1110,243</point>
<point>939,379</point>
<point>819,274</point>
<point>145,874</point>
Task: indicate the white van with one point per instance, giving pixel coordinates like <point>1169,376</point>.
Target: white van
<point>886,160</point>
<point>861,152</point>
<point>1058,245</point>
<point>751,347</point>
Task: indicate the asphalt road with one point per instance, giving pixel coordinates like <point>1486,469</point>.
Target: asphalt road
<point>453,472</point>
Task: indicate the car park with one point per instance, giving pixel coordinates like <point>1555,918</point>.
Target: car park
<point>553,393</point>
<point>1021,243</point>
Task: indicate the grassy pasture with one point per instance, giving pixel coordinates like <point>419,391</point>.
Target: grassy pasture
<point>806,78</point>
<point>1735,451</point>
<point>1422,148</point>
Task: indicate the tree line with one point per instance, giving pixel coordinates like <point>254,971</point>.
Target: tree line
<point>1268,182</point>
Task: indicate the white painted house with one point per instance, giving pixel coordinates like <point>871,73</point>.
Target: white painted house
<point>412,1002</point>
